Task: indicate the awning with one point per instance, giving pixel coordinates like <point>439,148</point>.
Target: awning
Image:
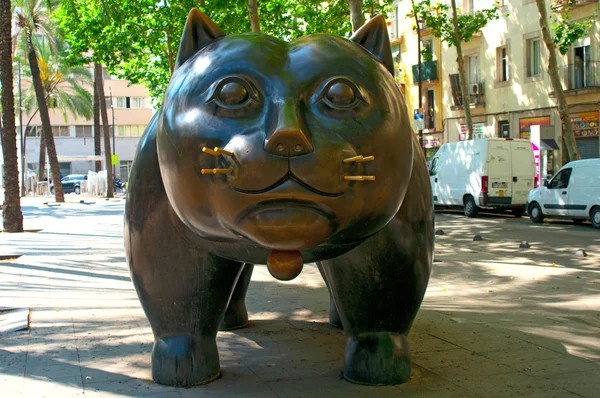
<point>548,144</point>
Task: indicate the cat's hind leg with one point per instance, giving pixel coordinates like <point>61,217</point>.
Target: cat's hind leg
<point>236,316</point>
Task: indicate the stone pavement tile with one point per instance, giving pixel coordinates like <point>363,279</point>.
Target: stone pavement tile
<point>586,384</point>
<point>458,361</point>
<point>514,384</point>
<point>557,367</point>
<point>129,388</point>
<point>48,387</point>
<point>424,383</point>
<point>234,380</point>
<point>520,353</point>
<point>117,368</point>
<point>11,384</point>
<point>421,341</point>
<point>54,368</point>
<point>272,330</point>
<point>328,387</point>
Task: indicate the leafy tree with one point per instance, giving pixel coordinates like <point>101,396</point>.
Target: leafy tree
<point>138,39</point>
<point>455,28</point>
<point>12,217</point>
<point>63,85</point>
<point>33,17</point>
<point>562,35</point>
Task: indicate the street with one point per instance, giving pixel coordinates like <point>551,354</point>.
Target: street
<point>497,320</point>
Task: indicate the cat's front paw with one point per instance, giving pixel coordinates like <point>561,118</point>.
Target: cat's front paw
<point>184,360</point>
<point>381,358</point>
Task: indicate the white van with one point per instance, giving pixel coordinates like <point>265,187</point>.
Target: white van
<point>486,173</point>
<point>574,192</point>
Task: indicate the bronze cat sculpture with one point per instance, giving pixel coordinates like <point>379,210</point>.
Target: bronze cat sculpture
<point>277,153</point>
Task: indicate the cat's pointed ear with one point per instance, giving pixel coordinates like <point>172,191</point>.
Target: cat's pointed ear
<point>199,30</point>
<point>374,37</point>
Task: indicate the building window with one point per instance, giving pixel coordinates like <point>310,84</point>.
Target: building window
<point>130,131</point>
<point>60,131</point>
<point>125,169</point>
<point>33,131</point>
<point>503,129</point>
<point>137,102</point>
<point>533,57</point>
<point>83,131</point>
<point>472,65</point>
<point>430,109</point>
<point>502,64</point>
<point>120,102</point>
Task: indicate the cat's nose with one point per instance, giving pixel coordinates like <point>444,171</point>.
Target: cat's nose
<point>290,138</point>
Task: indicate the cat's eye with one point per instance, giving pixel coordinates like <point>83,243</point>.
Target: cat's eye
<point>233,93</point>
<point>341,94</point>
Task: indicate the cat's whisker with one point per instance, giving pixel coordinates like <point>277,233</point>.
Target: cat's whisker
<point>210,151</point>
<point>366,159</point>
<point>353,159</point>
<point>216,171</point>
<point>359,159</point>
<point>223,152</point>
<point>359,178</point>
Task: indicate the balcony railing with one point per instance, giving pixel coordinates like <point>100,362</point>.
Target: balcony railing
<point>559,5</point>
<point>428,71</point>
<point>581,75</point>
<point>475,92</point>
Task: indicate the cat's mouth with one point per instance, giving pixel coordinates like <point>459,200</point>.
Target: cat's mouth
<point>290,176</point>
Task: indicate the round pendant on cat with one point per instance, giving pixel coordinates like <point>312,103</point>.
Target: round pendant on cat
<point>284,265</point>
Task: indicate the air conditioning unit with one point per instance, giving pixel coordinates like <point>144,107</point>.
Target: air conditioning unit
<point>474,89</point>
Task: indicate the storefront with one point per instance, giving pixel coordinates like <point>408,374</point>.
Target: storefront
<point>431,144</point>
<point>548,147</point>
<point>587,133</point>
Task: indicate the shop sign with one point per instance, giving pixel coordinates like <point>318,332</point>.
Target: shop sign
<point>585,124</point>
<point>430,142</point>
<point>478,132</point>
<point>526,123</point>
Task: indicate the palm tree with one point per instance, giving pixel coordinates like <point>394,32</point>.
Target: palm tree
<point>32,18</point>
<point>64,87</point>
<point>12,217</point>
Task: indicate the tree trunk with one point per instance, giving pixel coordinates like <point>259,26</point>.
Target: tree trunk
<point>104,113</point>
<point>171,55</point>
<point>45,117</point>
<point>12,217</point>
<point>357,19</point>
<point>253,12</point>
<point>461,71</point>
<point>97,132</point>
<point>569,138</point>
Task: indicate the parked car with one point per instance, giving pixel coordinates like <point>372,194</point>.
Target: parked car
<point>574,192</point>
<point>71,183</point>
<point>494,173</point>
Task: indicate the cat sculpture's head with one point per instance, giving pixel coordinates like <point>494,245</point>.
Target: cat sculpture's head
<point>291,146</point>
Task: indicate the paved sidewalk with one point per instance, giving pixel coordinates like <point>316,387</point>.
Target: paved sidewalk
<point>497,321</point>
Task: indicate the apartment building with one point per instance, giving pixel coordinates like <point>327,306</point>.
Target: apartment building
<point>508,82</point>
<point>402,28</point>
<point>129,113</point>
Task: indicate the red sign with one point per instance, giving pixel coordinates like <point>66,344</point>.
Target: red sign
<point>585,124</point>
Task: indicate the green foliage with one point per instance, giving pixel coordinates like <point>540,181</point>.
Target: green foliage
<point>438,17</point>
<point>138,39</point>
<point>566,32</point>
<point>64,87</point>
